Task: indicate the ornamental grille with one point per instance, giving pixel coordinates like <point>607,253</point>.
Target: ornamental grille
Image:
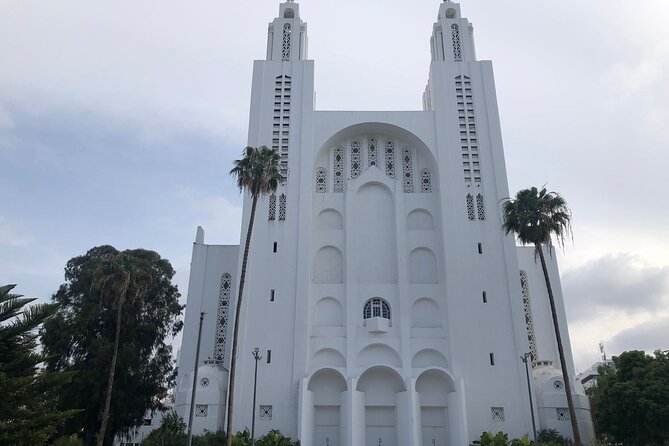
<point>457,48</point>
<point>562,414</point>
<point>271,215</point>
<point>285,47</point>
<point>557,385</point>
<point>321,185</point>
<point>372,153</point>
<point>338,167</point>
<point>497,413</point>
<point>204,382</point>
<point>529,322</point>
<point>265,412</point>
<point>407,170</point>
<point>282,207</point>
<point>201,410</point>
<point>470,207</point>
<point>355,159</point>
<point>222,316</point>
<point>425,180</point>
<point>480,207</point>
<point>390,159</point>
<point>376,307</point>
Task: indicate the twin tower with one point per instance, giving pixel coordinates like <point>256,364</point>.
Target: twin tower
<point>389,307</point>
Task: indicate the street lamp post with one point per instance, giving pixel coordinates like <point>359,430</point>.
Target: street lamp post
<point>525,358</point>
<point>257,357</point>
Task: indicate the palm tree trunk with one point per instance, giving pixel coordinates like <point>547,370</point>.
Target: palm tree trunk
<point>233,358</point>
<point>112,368</point>
<point>563,363</point>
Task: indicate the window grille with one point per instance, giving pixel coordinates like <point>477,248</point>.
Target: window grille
<point>376,307</point>
<point>390,159</point>
<point>470,207</point>
<point>285,48</point>
<point>282,207</point>
<point>338,167</point>
<point>272,208</point>
<point>425,180</point>
<point>222,318</point>
<point>497,413</point>
<point>204,382</point>
<point>562,414</point>
<point>265,412</point>
<point>321,180</point>
<point>201,410</point>
<point>557,385</point>
<point>480,207</point>
<point>457,47</point>
<point>372,152</point>
<point>407,170</point>
<point>529,322</point>
<point>355,159</point>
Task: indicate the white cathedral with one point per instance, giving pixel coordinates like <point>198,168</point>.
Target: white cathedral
<point>389,307</point>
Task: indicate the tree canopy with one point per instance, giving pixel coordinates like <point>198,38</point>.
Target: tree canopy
<point>630,401</point>
<point>28,412</point>
<point>80,338</point>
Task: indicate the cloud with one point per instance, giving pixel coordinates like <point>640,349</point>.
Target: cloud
<point>615,283</point>
<point>649,336</point>
<point>9,236</point>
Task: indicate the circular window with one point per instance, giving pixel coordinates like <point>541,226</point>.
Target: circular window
<point>204,382</point>
<point>557,385</point>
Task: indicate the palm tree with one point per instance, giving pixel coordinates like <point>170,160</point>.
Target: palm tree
<point>257,173</point>
<point>119,278</point>
<point>535,216</point>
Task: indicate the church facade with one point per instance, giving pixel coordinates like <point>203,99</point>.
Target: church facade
<point>388,305</point>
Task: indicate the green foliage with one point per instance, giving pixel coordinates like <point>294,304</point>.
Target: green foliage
<point>71,440</point>
<point>172,431</point>
<point>28,407</point>
<point>551,437</point>
<point>80,337</point>
<point>209,439</point>
<point>502,439</point>
<point>631,400</point>
<point>275,438</point>
<point>535,215</point>
<point>257,171</point>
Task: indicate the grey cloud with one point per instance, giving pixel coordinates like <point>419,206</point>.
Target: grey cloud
<point>615,283</point>
<point>650,336</point>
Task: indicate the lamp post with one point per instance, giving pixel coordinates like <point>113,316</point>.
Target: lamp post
<point>192,394</point>
<point>257,357</point>
<point>525,358</point>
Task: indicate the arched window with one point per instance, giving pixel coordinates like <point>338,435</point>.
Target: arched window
<point>372,153</point>
<point>480,207</point>
<point>470,207</point>
<point>222,319</point>
<point>338,167</point>
<point>282,207</point>
<point>390,159</point>
<point>289,14</point>
<point>425,180</point>
<point>376,307</point>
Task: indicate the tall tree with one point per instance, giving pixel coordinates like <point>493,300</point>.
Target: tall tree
<point>630,401</point>
<point>115,276</point>
<point>116,310</point>
<point>28,412</point>
<point>535,216</point>
<point>258,174</point>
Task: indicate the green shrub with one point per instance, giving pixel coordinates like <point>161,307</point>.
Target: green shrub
<point>551,437</point>
<point>72,440</point>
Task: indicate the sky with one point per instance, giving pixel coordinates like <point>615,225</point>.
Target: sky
<point>119,123</point>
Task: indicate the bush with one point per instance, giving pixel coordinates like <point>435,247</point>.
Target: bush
<point>501,439</point>
<point>276,438</point>
<point>551,437</point>
<point>72,440</point>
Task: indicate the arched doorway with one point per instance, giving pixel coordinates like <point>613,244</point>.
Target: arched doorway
<point>380,386</point>
<point>433,388</point>
<point>327,386</point>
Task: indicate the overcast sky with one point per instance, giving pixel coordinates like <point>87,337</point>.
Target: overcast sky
<point>119,122</point>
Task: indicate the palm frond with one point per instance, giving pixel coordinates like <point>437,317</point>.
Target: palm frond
<point>257,171</point>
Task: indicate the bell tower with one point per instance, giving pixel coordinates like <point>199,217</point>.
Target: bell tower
<point>287,36</point>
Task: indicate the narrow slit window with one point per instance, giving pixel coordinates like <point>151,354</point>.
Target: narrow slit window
<point>271,295</point>
<point>480,246</point>
<point>276,246</point>
<point>483,294</point>
<point>269,356</point>
<point>492,359</point>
